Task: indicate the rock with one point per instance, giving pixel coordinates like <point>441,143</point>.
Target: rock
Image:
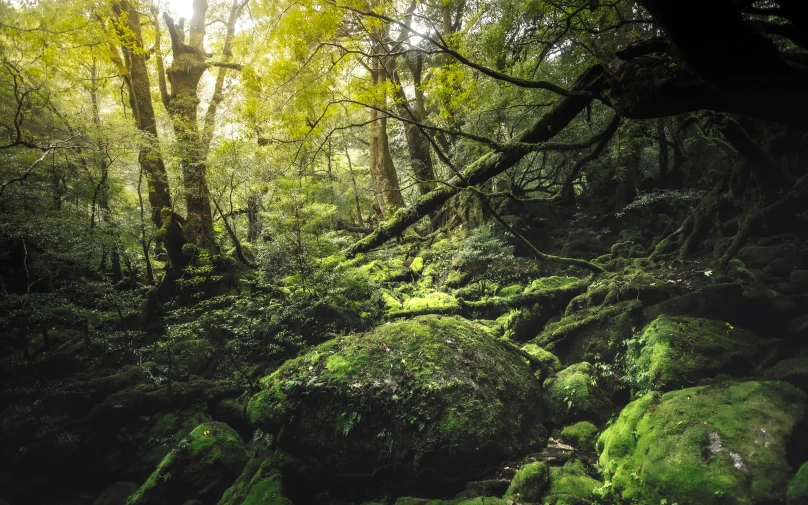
<point>782,267</point>
<point>547,358</point>
<point>765,255</point>
<point>595,333</point>
<point>572,484</point>
<point>723,443</point>
<point>580,435</point>
<point>529,483</point>
<point>674,352</point>
<point>201,467</point>
<point>116,494</point>
<point>792,370</point>
<point>424,398</point>
<point>719,301</point>
<point>490,487</point>
<point>798,326</point>
<point>259,483</point>
<point>798,489</point>
<point>573,395</point>
<point>799,278</point>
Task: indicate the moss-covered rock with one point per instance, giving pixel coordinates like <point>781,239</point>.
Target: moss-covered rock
<point>792,370</point>
<point>572,484</point>
<point>711,444</point>
<point>201,467</point>
<point>259,484</point>
<point>674,352</point>
<point>797,493</point>
<point>595,333</point>
<point>529,483</point>
<point>547,358</point>
<point>431,395</point>
<point>581,435</point>
<point>573,395</point>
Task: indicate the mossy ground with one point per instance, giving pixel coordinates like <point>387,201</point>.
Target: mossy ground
<point>572,484</point>
<point>529,483</point>
<point>724,443</point>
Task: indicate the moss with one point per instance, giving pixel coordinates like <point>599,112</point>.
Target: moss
<point>200,467</point>
<point>581,435</point>
<point>434,302</point>
<point>675,352</point>
<point>259,484</point>
<point>711,444</point>
<point>553,283</point>
<point>547,358</point>
<point>428,388</point>
<point>792,370</point>
<point>378,271</point>
<point>595,333</point>
<point>573,395</point>
<point>456,278</point>
<point>511,290</point>
<point>529,483</point>
<point>571,484</point>
<point>797,493</point>
<point>417,264</point>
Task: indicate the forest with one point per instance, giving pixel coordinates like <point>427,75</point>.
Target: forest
<point>403,252</point>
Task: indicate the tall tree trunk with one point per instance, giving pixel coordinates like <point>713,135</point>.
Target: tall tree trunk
<point>186,70</point>
<point>132,68</point>
<point>382,171</point>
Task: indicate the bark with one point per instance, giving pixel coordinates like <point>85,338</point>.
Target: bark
<point>768,172</point>
<point>417,143</point>
<point>663,149</point>
<point>137,79</point>
<point>186,70</point>
<point>384,178</point>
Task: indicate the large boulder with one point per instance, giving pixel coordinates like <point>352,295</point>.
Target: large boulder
<point>414,401</point>
<point>674,352</point>
<point>711,444</point>
<point>574,395</point>
<point>201,467</point>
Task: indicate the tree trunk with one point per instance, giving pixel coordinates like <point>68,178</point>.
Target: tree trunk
<point>382,171</point>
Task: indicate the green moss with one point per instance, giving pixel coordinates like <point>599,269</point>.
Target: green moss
<point>573,395</point>
<point>201,467</point>
<point>673,352</point>
<point>571,484</point>
<point>456,278</point>
<point>547,358</point>
<point>595,333</point>
<point>792,370</point>
<point>798,488</point>
<point>259,484</point>
<point>581,435</point>
<point>529,483</point>
<point>711,444</point>
<point>512,290</point>
<point>553,283</point>
<point>417,264</point>
<point>431,386</point>
<point>434,302</point>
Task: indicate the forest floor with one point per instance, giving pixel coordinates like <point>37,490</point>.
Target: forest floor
<point>448,367</point>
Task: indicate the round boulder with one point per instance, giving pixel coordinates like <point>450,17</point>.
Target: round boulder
<point>416,401</point>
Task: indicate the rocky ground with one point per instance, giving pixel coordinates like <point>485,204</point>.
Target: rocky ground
<point>655,381</point>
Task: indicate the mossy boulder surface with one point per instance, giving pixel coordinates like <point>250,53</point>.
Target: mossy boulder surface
<point>675,352</point>
<point>572,484</point>
<point>259,484</point>
<point>573,395</point>
<point>581,435</point>
<point>529,483</point>
<point>547,358</point>
<point>201,467</point>
<point>431,395</point>
<point>798,489</point>
<point>711,444</point>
